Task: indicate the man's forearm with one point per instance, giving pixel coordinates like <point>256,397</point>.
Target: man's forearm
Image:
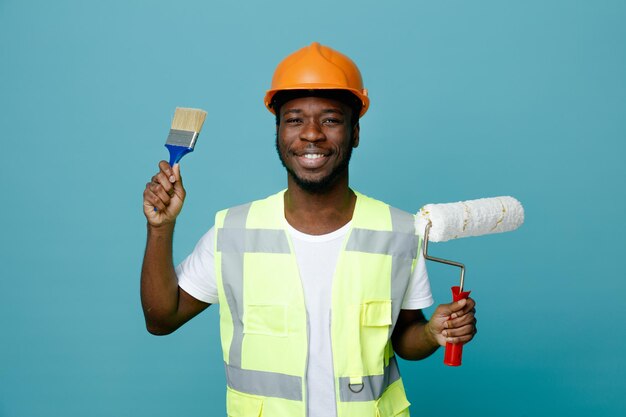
<point>414,341</point>
<point>159,286</point>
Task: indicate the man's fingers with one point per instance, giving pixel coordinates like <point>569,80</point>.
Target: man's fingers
<point>469,305</point>
<point>167,170</point>
<point>460,321</point>
<point>178,185</point>
<point>177,177</point>
<point>163,179</point>
<point>454,309</point>
<point>167,179</point>
<point>460,335</point>
<point>462,313</point>
<point>176,173</point>
<point>461,307</point>
<point>161,184</point>
<point>160,192</point>
<point>152,198</point>
<point>167,183</point>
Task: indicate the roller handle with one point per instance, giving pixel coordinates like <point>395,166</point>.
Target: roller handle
<point>454,351</point>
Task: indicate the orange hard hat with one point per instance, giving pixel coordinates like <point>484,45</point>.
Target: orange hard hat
<point>317,67</point>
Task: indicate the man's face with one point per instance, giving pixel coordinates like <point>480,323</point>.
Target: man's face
<point>315,140</point>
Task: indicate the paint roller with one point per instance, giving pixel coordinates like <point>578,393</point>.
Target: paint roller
<point>443,222</point>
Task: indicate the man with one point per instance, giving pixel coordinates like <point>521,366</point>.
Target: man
<point>318,285</point>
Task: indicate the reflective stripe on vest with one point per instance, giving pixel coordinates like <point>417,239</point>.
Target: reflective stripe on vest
<point>237,239</point>
<point>372,385</point>
<point>266,384</point>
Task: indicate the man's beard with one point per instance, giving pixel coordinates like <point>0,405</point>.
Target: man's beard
<point>322,185</point>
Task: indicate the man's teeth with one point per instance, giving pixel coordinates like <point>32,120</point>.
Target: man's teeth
<point>313,155</point>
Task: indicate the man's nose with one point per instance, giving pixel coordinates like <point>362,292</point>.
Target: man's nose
<point>312,132</point>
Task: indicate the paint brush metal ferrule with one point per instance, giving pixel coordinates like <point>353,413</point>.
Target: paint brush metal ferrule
<point>184,138</point>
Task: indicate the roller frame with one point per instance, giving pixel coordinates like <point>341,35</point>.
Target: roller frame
<point>440,260</point>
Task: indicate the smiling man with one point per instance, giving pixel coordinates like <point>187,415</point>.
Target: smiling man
<point>318,285</point>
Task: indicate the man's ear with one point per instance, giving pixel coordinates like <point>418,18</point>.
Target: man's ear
<point>355,135</point>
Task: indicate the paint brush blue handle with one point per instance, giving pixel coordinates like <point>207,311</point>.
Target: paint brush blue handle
<point>177,153</point>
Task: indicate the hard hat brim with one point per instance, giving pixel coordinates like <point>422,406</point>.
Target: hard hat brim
<point>360,94</point>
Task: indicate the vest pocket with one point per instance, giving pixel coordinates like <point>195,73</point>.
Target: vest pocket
<point>393,402</point>
<point>265,319</point>
<point>374,335</point>
<point>376,313</point>
<point>242,405</point>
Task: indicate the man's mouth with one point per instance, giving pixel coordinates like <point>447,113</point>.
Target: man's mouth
<point>311,160</point>
<point>313,155</point>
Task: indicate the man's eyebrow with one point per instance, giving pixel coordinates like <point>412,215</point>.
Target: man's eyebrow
<point>296,111</point>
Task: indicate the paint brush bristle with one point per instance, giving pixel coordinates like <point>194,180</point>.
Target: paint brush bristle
<point>187,119</point>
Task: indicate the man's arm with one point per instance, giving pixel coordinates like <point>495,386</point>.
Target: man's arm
<point>166,306</point>
<point>416,338</point>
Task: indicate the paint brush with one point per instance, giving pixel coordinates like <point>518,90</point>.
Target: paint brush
<point>185,129</point>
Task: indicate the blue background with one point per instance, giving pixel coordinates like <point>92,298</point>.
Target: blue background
<point>470,99</point>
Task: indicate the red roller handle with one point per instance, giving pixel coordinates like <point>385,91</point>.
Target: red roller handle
<point>454,352</point>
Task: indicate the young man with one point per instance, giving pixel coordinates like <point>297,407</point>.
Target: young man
<point>318,285</point>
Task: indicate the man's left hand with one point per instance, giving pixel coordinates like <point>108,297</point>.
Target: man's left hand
<point>454,322</point>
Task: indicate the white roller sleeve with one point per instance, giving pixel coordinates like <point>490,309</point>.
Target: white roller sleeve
<point>470,218</point>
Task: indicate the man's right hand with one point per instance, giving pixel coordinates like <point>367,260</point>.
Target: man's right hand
<point>166,194</point>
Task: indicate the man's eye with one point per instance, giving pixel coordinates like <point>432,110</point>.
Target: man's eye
<point>293,120</point>
<point>332,121</point>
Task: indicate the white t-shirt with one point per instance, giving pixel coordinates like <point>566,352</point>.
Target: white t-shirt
<point>196,275</point>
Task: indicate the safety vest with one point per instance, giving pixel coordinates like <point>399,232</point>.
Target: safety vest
<point>263,319</point>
